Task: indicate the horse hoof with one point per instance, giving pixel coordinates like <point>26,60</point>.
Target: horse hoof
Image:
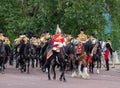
<point>3,72</point>
<point>98,71</point>
<point>74,75</point>
<point>65,80</point>
<point>60,79</point>
<point>49,78</point>
<point>54,78</point>
<point>88,78</point>
<point>80,75</point>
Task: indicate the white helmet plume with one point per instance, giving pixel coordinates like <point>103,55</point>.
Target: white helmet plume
<point>58,30</point>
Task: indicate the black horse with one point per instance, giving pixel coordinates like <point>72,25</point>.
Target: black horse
<point>70,54</point>
<point>29,53</point>
<point>20,58</point>
<point>8,54</point>
<point>96,57</point>
<point>44,48</point>
<point>2,56</point>
<point>60,59</point>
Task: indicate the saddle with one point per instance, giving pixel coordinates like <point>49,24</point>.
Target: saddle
<point>49,54</point>
<point>58,50</point>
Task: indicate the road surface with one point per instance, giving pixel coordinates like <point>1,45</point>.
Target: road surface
<point>37,79</point>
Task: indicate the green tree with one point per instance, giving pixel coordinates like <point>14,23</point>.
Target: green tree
<point>36,16</point>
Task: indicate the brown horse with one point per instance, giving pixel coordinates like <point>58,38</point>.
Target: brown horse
<point>81,57</point>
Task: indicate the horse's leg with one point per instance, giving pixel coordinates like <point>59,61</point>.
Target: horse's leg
<point>92,67</point>
<point>53,67</point>
<point>98,64</point>
<point>21,65</point>
<point>49,78</point>
<point>17,61</point>
<point>2,68</point>
<point>44,65</point>
<point>36,62</point>
<point>79,68</point>
<point>28,65</point>
<point>70,65</point>
<point>24,65</point>
<point>85,75</point>
<point>99,61</point>
<point>74,74</point>
<point>93,64</point>
<point>40,64</point>
<point>62,73</point>
<point>32,62</point>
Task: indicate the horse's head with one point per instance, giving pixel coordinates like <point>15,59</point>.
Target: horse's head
<point>74,41</point>
<point>70,50</point>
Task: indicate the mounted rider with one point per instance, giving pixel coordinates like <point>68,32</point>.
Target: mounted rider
<point>4,39</point>
<point>82,37</point>
<point>21,37</point>
<point>45,37</point>
<point>58,40</point>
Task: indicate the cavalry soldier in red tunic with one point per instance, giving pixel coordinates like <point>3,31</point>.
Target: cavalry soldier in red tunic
<point>58,40</point>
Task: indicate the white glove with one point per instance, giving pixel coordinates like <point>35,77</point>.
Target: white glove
<point>60,45</point>
<point>55,43</point>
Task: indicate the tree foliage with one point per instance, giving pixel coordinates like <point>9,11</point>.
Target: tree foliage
<point>36,16</point>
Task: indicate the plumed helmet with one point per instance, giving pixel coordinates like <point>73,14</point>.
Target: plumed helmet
<point>58,30</point>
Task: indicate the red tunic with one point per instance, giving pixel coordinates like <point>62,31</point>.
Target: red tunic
<point>57,40</point>
<point>106,54</point>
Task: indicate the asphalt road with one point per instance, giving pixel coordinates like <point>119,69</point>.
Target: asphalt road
<point>37,79</point>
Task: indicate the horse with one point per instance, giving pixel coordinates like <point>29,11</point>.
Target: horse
<point>55,58</point>
<point>29,53</point>
<point>67,54</point>
<point>45,47</point>
<point>81,57</point>
<point>35,57</point>
<point>2,56</point>
<point>96,57</point>
<point>38,55</point>
<point>8,54</point>
<point>20,58</point>
<point>70,54</point>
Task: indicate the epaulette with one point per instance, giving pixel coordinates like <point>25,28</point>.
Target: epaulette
<point>2,37</point>
<point>26,39</point>
<point>17,41</point>
<point>7,41</point>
